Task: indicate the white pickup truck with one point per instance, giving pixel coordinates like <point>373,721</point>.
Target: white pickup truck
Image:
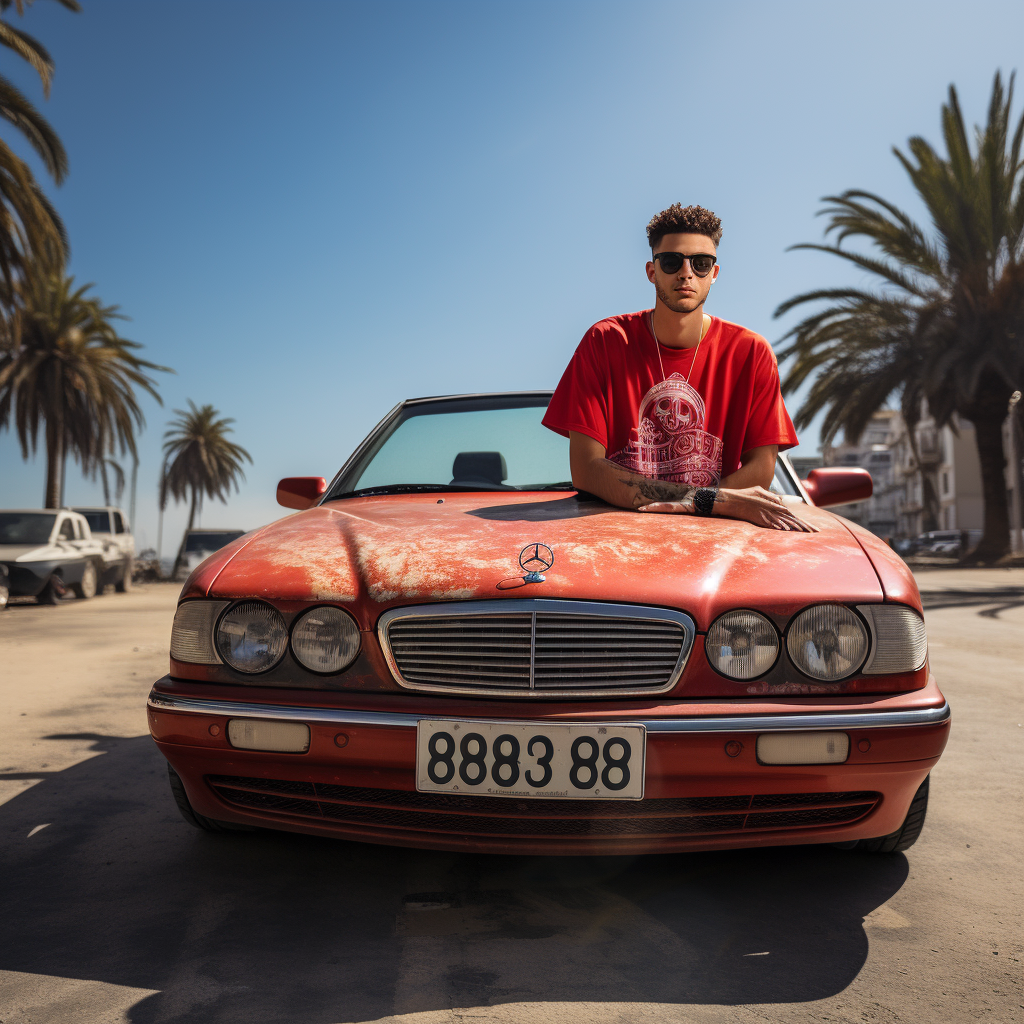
<point>109,526</point>
<point>46,551</point>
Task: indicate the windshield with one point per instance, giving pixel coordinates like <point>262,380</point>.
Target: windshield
<point>210,542</point>
<point>26,527</point>
<point>485,442</point>
<point>486,449</point>
<point>99,522</point>
<point>783,483</point>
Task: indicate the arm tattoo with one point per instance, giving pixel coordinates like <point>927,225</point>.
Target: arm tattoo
<point>648,490</point>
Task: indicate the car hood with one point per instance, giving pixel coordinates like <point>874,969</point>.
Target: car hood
<point>27,552</point>
<point>380,552</point>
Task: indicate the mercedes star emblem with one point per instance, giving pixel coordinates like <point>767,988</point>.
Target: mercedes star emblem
<point>534,560</point>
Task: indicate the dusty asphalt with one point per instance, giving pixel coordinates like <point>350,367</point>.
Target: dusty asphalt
<point>119,911</point>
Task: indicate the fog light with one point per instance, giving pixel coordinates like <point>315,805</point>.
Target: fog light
<point>803,747</point>
<point>258,734</point>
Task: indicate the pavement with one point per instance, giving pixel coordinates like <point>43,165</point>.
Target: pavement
<point>114,909</point>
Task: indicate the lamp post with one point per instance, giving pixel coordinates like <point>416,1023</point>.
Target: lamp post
<point>1016,541</point>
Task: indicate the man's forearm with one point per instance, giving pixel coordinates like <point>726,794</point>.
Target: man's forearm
<point>619,486</point>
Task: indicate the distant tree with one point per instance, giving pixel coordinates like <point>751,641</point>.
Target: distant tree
<point>105,467</point>
<point>199,462</point>
<point>947,323</point>
<point>66,368</point>
<point>29,225</point>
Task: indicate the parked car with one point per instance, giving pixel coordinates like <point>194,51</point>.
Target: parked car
<point>46,551</point>
<point>109,525</point>
<point>200,544</point>
<point>450,648</point>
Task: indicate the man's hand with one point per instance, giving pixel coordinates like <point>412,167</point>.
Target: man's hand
<point>752,504</point>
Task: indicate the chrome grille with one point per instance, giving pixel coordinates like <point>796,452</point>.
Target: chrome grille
<point>536,647</point>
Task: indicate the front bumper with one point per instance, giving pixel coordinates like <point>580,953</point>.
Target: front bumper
<point>27,579</point>
<point>697,796</point>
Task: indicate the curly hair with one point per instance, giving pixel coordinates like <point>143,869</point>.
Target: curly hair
<point>678,219</point>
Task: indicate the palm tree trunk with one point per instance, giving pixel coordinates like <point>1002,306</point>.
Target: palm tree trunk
<point>135,480</point>
<point>929,496</point>
<point>988,435</point>
<point>191,520</point>
<point>159,541</point>
<point>930,500</point>
<point>54,466</point>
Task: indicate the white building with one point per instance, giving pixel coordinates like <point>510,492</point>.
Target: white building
<point>873,451</point>
<point>943,492</point>
<point>938,489</point>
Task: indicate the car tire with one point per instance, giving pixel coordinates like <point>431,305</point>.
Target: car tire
<point>124,584</point>
<point>89,584</point>
<point>906,835</point>
<point>53,590</point>
<point>193,817</point>
<point>4,596</point>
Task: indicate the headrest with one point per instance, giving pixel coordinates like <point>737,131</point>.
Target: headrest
<point>482,467</point>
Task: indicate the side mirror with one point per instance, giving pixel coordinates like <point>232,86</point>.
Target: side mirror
<point>837,486</point>
<point>300,491</point>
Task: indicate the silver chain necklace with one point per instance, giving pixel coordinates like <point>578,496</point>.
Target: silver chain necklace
<point>657,345</point>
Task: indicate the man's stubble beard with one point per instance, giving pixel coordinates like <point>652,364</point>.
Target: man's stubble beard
<point>674,304</point>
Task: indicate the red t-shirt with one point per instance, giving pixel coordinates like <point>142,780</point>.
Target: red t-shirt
<point>690,424</point>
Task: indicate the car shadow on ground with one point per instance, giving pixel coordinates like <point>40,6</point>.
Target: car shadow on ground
<point>270,926</point>
<point>991,600</point>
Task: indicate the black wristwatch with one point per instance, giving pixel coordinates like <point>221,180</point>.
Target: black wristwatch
<point>704,500</point>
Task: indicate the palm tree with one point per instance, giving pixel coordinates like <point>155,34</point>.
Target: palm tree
<point>947,322</point>
<point>105,467</point>
<point>29,225</point>
<point>199,462</point>
<point>64,366</point>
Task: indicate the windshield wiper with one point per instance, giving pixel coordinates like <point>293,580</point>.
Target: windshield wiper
<point>366,492</point>
<point>565,485</point>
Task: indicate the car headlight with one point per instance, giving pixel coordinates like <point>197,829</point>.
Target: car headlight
<point>251,636</point>
<point>827,642</point>
<point>742,645</point>
<point>899,641</point>
<point>192,632</point>
<point>325,639</point>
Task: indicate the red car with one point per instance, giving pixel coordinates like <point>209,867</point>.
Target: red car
<point>451,648</point>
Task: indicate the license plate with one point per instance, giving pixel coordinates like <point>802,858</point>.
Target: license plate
<point>550,762</point>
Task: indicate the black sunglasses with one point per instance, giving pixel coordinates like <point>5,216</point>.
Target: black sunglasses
<point>672,262</point>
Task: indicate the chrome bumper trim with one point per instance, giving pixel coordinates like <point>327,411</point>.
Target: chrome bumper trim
<point>720,723</point>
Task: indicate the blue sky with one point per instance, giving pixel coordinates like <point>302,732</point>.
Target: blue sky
<point>313,210</point>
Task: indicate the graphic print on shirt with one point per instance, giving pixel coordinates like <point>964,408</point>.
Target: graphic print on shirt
<point>671,442</point>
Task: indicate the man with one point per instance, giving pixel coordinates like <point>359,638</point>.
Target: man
<point>689,406</point>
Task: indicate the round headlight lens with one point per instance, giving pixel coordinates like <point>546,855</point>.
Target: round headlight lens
<point>325,639</point>
<point>742,645</point>
<point>827,642</point>
<point>251,636</point>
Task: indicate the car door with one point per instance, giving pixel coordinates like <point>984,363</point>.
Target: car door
<point>67,542</point>
<point>122,535</point>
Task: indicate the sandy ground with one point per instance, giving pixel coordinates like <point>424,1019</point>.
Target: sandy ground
<point>115,910</point>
